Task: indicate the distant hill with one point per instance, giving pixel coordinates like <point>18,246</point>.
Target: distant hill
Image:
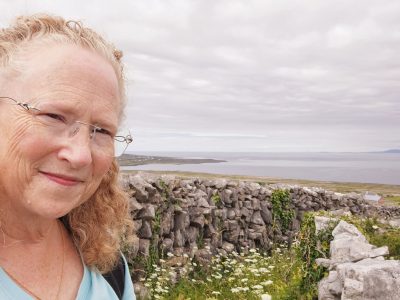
<point>392,151</point>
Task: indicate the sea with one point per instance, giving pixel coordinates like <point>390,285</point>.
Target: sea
<point>364,167</point>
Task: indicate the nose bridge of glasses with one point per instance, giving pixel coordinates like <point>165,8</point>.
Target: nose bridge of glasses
<point>76,125</point>
<point>96,146</point>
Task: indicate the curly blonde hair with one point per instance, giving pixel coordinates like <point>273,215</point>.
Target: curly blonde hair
<point>101,224</point>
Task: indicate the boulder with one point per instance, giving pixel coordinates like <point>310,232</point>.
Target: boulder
<point>330,288</point>
<point>358,270</point>
<point>370,279</point>
<point>344,229</point>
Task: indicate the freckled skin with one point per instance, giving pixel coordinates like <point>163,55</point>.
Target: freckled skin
<point>87,83</point>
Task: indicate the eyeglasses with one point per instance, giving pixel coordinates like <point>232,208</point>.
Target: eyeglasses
<point>58,125</point>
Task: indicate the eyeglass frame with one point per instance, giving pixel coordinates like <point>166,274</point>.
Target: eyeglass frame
<point>128,139</point>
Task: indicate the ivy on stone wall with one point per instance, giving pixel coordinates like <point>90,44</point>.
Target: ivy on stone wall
<point>282,210</point>
<point>312,245</point>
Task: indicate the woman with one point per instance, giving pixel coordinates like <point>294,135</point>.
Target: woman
<point>62,214</point>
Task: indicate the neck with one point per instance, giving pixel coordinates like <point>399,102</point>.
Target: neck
<point>27,229</point>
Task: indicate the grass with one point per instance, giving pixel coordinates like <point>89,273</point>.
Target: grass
<point>393,200</point>
<point>255,274</point>
<point>235,276</point>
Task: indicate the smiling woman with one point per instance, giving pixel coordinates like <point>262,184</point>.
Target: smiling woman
<point>63,216</point>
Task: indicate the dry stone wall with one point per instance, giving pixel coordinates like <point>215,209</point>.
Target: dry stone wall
<point>186,215</point>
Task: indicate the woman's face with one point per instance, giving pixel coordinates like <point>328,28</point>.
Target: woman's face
<point>44,174</point>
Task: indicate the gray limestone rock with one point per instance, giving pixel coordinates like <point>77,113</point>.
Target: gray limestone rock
<point>192,234</point>
<point>135,206</point>
<point>395,222</point>
<point>148,212</point>
<point>257,219</point>
<point>198,221</point>
<point>167,245</point>
<point>325,262</point>
<point>220,183</point>
<point>330,288</point>
<point>349,249</point>
<point>202,202</point>
<point>226,196</point>
<point>167,223</point>
<point>377,252</point>
<point>322,223</point>
<point>181,220</point>
<point>255,204</point>
<point>179,239</point>
<point>144,245</point>
<point>231,213</point>
<point>228,247</point>
<point>266,214</point>
<point>358,269</point>
<point>245,213</point>
<point>145,230</point>
<point>344,229</point>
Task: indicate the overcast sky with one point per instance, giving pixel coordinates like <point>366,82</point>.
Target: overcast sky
<point>247,75</point>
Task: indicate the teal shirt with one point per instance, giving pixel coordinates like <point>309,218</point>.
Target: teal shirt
<point>93,287</point>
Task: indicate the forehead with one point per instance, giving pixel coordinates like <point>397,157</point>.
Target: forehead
<point>69,72</point>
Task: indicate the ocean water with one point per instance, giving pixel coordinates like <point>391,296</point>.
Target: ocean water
<point>344,166</point>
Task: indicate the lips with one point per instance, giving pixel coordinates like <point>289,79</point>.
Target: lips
<point>62,179</point>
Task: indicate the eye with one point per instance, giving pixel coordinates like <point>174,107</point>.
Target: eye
<point>53,116</point>
<point>103,131</point>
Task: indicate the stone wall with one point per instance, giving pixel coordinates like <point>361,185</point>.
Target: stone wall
<point>184,216</point>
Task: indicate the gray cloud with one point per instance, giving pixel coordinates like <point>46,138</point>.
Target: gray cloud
<point>252,75</point>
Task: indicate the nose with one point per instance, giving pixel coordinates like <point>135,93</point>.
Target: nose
<point>77,149</point>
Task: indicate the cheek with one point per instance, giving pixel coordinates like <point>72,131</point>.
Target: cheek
<point>101,166</point>
<point>16,161</point>
<point>22,139</point>
<point>100,169</point>
<point>31,149</point>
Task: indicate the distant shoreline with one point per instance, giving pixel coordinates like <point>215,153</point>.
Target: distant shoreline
<point>380,168</point>
<point>139,160</point>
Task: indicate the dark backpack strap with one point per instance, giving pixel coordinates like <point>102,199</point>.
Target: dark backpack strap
<point>116,278</point>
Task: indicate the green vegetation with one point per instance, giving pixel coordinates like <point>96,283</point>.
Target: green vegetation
<point>390,238</point>
<point>216,199</point>
<point>392,200</point>
<point>235,276</point>
<point>282,211</point>
<point>311,246</point>
<point>283,273</point>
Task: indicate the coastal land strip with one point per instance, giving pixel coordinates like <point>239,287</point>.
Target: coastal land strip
<point>138,160</point>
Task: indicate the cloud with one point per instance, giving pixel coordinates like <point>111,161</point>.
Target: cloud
<point>251,75</point>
